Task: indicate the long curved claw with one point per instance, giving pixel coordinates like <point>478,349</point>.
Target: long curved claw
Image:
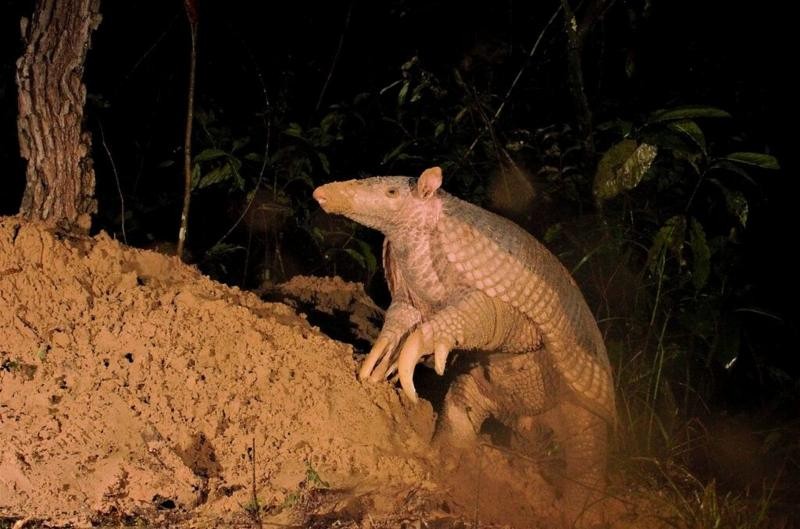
<point>384,368</point>
<point>379,349</point>
<point>413,349</point>
<point>440,353</point>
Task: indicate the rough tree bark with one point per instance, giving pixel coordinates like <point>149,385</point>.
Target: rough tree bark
<point>60,176</point>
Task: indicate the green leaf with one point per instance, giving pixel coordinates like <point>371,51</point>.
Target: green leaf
<point>691,130</point>
<point>215,176</point>
<point>461,114</point>
<point>416,95</point>
<point>701,255</point>
<point>317,234</point>
<point>731,167</point>
<point>552,233</point>
<point>313,477</point>
<point>301,176</point>
<point>238,143</point>
<point>395,152</point>
<point>401,96</point>
<point>686,112</point>
<point>357,257</point>
<point>195,175</point>
<point>670,237</point>
<point>409,64</point>
<point>764,161</point>
<point>738,206</point>
<point>236,164</point>
<point>331,121</point>
<point>210,154</point>
<point>620,126</point>
<point>668,139</point>
<point>222,249</point>
<point>630,65</point>
<point>439,129</point>
<point>323,161</point>
<point>294,130</point>
<point>735,201</point>
<point>622,167</point>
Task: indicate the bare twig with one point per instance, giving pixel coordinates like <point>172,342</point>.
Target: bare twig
<point>265,159</point>
<point>151,49</point>
<point>335,56</point>
<point>584,114</point>
<point>255,512</point>
<point>116,179</point>
<point>514,83</point>
<point>191,14</point>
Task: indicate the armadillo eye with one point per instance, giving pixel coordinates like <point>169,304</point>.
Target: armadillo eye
<point>391,192</point>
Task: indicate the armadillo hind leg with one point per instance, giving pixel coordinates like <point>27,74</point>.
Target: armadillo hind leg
<point>467,405</point>
<point>582,436</point>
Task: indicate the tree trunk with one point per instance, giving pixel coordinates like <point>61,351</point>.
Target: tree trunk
<point>60,176</point>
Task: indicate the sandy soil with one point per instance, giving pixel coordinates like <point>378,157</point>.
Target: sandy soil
<point>133,389</point>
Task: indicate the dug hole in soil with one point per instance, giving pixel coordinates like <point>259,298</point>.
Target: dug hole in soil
<point>135,389</point>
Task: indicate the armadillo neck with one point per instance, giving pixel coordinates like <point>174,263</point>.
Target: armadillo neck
<point>415,258</point>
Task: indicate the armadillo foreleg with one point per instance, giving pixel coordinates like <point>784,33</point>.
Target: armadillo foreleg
<point>474,321</point>
<point>400,317</point>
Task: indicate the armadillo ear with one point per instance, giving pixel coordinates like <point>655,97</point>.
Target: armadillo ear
<point>429,181</point>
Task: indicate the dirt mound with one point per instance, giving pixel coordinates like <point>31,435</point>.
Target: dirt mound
<point>130,383</point>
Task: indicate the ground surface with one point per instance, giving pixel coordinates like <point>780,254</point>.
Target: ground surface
<point>133,389</point>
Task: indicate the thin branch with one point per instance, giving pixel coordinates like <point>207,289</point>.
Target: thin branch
<point>267,140</point>
<point>116,179</point>
<point>187,140</point>
<point>255,511</point>
<point>335,56</point>
<point>584,114</point>
<point>151,49</point>
<point>514,83</point>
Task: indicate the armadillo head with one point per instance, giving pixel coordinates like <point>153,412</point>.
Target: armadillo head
<point>385,203</point>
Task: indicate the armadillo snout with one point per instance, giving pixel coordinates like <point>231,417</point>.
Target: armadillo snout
<point>322,195</point>
<point>336,197</point>
<point>319,195</point>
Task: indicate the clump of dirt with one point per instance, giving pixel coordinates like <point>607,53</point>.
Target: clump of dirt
<point>340,308</point>
<point>134,389</point>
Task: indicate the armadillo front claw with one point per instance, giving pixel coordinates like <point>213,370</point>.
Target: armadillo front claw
<point>381,349</point>
<point>387,365</point>
<point>413,349</point>
<point>440,352</point>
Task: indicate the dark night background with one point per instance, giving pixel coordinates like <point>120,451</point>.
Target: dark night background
<point>262,67</point>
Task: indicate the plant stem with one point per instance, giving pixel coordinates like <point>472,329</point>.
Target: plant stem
<point>187,142</point>
<point>584,114</point>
